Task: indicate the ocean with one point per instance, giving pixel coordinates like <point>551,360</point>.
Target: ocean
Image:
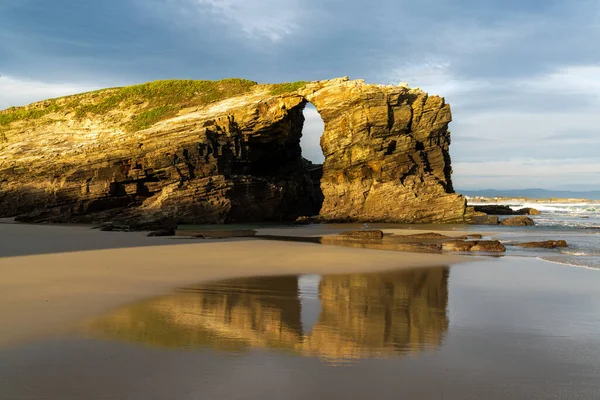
<point>577,223</point>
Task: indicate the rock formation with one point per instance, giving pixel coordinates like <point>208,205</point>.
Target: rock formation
<point>228,151</point>
<point>488,246</point>
<point>386,153</point>
<point>499,209</point>
<point>546,244</point>
<point>517,221</point>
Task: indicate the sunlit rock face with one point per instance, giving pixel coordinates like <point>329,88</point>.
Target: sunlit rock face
<point>361,316</point>
<point>234,160</point>
<point>386,154</point>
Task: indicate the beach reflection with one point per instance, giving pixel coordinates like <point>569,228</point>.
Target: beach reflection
<point>361,316</point>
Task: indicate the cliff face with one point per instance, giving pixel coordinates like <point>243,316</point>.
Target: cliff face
<point>228,151</point>
<point>386,154</point>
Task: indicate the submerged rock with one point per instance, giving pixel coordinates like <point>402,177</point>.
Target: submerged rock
<point>472,236</point>
<point>517,221</point>
<point>479,218</point>
<point>229,151</point>
<point>499,209</point>
<point>492,246</point>
<point>471,245</point>
<point>495,209</point>
<point>366,234</point>
<point>528,211</point>
<point>379,244</point>
<point>546,244</point>
<point>427,235</point>
<point>162,232</point>
<point>457,245</point>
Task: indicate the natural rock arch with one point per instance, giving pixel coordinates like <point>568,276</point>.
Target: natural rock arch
<point>386,159</point>
<point>386,153</point>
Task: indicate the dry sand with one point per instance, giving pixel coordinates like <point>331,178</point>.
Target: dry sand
<point>51,277</point>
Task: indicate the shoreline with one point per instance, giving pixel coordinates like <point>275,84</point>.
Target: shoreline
<point>57,275</point>
<point>48,286</point>
<point>134,304</point>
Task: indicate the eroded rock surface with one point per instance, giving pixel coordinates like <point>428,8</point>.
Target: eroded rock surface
<point>499,209</point>
<point>386,154</point>
<point>546,244</point>
<point>365,234</point>
<point>237,159</point>
<point>517,221</point>
<point>492,246</point>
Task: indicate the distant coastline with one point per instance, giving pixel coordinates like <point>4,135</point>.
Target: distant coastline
<point>543,195</point>
<point>472,200</point>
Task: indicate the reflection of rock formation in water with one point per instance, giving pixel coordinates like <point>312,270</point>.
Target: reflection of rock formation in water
<point>372,315</point>
<point>380,314</point>
<point>232,315</point>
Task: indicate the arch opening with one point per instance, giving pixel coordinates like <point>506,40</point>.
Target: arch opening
<point>310,146</point>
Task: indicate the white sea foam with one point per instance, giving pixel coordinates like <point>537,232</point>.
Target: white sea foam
<point>569,264</point>
<point>576,253</point>
<point>577,223</point>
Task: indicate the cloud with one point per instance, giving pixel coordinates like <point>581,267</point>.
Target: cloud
<point>573,80</point>
<point>527,173</point>
<point>273,20</point>
<point>500,123</point>
<point>522,76</point>
<point>435,77</point>
<point>17,92</point>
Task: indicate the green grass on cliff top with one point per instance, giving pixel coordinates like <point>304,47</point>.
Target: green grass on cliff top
<point>288,87</point>
<point>155,101</point>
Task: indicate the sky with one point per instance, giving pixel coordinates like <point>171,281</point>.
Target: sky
<point>522,76</point>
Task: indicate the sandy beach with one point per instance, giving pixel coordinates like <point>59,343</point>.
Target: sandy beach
<point>54,276</point>
<point>109,315</point>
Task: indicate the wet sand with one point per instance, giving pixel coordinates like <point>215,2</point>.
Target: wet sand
<point>54,276</point>
<point>509,328</point>
<point>108,315</point>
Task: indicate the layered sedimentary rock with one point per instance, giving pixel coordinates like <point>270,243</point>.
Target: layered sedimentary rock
<point>234,156</point>
<point>386,154</point>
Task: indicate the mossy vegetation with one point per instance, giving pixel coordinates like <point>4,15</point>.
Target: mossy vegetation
<point>151,101</point>
<point>287,87</point>
<point>148,118</point>
<point>16,114</point>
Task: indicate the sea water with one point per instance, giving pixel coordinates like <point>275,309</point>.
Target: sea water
<point>576,222</point>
